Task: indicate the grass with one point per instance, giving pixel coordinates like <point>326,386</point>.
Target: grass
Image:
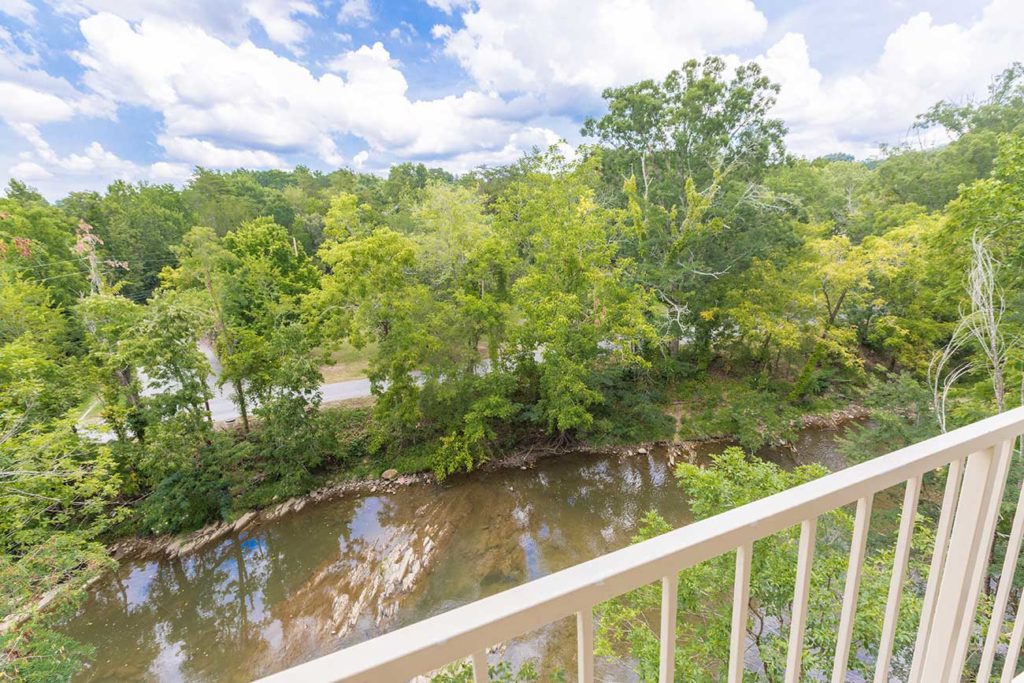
<point>348,363</point>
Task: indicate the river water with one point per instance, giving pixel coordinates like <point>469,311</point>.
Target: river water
<point>335,573</point>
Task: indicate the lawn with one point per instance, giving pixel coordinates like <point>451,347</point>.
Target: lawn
<point>348,363</point>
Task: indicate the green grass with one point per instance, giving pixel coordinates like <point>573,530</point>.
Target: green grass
<point>348,363</point>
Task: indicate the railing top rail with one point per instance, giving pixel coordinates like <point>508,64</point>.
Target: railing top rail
<point>434,642</point>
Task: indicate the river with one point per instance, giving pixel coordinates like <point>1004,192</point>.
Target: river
<point>332,574</point>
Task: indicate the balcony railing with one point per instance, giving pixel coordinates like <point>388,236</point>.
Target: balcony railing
<point>978,458</point>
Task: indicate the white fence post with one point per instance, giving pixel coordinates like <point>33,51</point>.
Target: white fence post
<point>904,544</point>
<point>957,594</point>
<point>740,602</point>
<point>954,475</point>
<point>1010,559</point>
<point>669,607</point>
<point>794,657</point>
<point>585,645</point>
<point>480,674</point>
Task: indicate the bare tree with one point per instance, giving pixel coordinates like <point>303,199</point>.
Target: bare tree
<point>979,327</point>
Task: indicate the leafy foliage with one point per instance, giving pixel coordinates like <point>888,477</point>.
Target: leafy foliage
<point>684,257</point>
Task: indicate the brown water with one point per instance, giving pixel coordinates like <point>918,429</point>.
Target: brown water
<point>336,573</point>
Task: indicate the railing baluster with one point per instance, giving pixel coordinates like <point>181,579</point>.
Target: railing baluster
<point>808,534</point>
<point>953,477</point>
<point>669,605</point>
<point>585,645</point>
<point>956,595</point>
<point>1016,640</point>
<point>480,674</point>
<point>911,494</point>
<point>851,591</point>
<point>995,624</point>
<point>1003,454</point>
<point>740,603</point>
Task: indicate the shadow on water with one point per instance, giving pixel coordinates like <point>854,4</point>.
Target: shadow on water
<point>336,573</point>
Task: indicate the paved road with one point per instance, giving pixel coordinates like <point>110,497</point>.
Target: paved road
<point>223,408</point>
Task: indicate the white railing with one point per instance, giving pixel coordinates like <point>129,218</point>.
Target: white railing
<point>978,457</point>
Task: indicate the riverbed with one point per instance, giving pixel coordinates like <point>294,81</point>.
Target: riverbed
<point>332,574</point>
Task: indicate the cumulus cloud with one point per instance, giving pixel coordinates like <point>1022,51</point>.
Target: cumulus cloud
<point>91,168</point>
<point>922,62</point>
<point>223,97</point>
<point>256,99</point>
<point>205,153</point>
<point>28,94</point>
<point>562,51</point>
<point>29,171</point>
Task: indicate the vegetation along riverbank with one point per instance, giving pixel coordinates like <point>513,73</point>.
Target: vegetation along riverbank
<point>680,277</point>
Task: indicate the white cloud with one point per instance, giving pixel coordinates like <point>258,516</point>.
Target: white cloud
<point>277,19</point>
<point>92,168</point>
<point>30,95</point>
<point>19,9</point>
<point>447,6</point>
<point>561,51</point>
<point>224,101</point>
<point>519,143</point>
<point>281,20</point>
<point>248,97</point>
<point>28,171</point>
<point>921,63</point>
<point>205,153</point>
<point>24,104</point>
<point>165,172</point>
<point>355,11</point>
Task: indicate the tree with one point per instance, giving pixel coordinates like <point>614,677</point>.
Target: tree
<point>57,490</point>
<point>700,144</point>
<point>165,345</point>
<point>138,226</point>
<point>109,320</point>
<point>36,242</point>
<point>371,294</point>
<point>578,306</point>
<point>692,125</point>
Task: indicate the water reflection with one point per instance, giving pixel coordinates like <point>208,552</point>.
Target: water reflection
<point>340,572</point>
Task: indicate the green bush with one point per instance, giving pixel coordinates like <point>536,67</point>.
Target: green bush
<point>187,500</point>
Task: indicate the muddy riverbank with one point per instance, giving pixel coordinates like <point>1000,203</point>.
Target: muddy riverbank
<point>308,576</point>
<point>136,547</point>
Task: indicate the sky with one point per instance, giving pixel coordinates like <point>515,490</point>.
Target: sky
<point>146,90</point>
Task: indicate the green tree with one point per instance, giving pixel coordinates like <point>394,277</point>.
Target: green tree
<point>577,305</point>
<point>109,320</point>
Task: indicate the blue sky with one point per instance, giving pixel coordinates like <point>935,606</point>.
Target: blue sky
<point>93,90</point>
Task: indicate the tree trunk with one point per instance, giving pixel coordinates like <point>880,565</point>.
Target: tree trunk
<point>243,408</point>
